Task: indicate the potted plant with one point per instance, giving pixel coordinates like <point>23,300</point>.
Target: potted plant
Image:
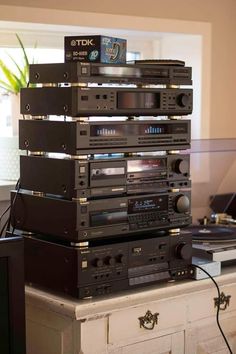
<point>13,80</point>
<point>13,77</point>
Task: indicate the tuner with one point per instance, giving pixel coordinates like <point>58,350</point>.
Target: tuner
<point>182,100</point>
<point>184,250</point>
<point>182,204</point>
<point>180,166</point>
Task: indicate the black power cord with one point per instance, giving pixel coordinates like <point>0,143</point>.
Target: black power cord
<point>218,306</point>
<point>10,208</point>
<point>5,224</point>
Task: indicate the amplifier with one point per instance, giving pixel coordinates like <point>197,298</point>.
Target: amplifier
<point>80,220</point>
<point>73,137</point>
<point>72,178</point>
<point>109,101</point>
<point>110,73</point>
<point>107,267</point>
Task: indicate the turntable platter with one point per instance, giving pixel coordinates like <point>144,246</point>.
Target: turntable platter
<point>212,233</point>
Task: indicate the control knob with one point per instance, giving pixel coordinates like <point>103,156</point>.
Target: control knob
<point>183,250</point>
<point>183,100</point>
<point>120,258</point>
<point>98,262</point>
<point>180,166</point>
<point>110,261</point>
<point>181,204</point>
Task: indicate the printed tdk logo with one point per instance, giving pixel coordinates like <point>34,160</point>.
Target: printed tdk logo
<point>78,42</point>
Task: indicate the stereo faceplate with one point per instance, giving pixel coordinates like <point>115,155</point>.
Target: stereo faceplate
<point>78,138</point>
<point>110,73</point>
<point>101,218</point>
<point>72,178</point>
<point>92,101</point>
<point>109,267</point>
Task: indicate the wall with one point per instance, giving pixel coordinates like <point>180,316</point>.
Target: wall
<point>221,15</point>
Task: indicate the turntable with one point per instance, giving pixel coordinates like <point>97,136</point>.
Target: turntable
<point>214,242</point>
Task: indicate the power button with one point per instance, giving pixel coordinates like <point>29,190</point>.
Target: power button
<point>82,169</point>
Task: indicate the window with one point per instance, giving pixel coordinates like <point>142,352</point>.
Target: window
<point>141,45</point>
<point>40,55</point>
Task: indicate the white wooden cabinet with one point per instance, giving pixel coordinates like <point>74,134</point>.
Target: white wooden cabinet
<point>183,323</point>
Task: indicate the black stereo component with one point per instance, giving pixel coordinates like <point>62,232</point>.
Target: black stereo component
<point>73,137</point>
<point>140,73</point>
<point>166,62</point>
<point>82,220</point>
<point>110,101</point>
<point>72,178</point>
<point>107,267</point>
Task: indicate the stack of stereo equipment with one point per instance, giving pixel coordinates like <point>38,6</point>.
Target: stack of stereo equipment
<point>106,212</point>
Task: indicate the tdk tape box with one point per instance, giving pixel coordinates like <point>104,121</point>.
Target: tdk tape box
<point>98,49</point>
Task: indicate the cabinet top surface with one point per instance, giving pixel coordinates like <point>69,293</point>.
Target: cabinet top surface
<point>106,304</point>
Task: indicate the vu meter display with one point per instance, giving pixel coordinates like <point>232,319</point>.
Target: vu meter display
<point>137,129</point>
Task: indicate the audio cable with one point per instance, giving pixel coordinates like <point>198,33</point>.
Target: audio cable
<point>218,306</point>
<point>10,208</point>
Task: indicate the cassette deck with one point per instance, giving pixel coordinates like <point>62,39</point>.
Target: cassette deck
<point>100,177</point>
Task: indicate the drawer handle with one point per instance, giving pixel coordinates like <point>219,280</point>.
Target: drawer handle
<point>223,301</point>
<point>149,320</point>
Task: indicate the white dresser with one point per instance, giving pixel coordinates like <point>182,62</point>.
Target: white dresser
<point>180,319</point>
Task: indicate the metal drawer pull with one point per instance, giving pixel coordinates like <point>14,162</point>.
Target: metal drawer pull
<point>149,320</point>
<point>223,302</point>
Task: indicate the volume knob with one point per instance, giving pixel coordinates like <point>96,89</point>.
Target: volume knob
<point>184,251</point>
<point>183,100</point>
<point>180,166</point>
<point>182,204</point>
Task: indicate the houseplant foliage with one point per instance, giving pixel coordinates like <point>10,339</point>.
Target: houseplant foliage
<point>14,75</point>
<point>14,80</point>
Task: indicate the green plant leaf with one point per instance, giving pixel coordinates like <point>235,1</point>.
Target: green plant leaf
<point>23,49</point>
<point>11,78</point>
<point>23,73</point>
<point>6,87</point>
<point>16,79</point>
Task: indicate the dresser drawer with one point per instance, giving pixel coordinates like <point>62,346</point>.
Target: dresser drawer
<point>126,325</point>
<point>202,304</point>
<point>171,343</point>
